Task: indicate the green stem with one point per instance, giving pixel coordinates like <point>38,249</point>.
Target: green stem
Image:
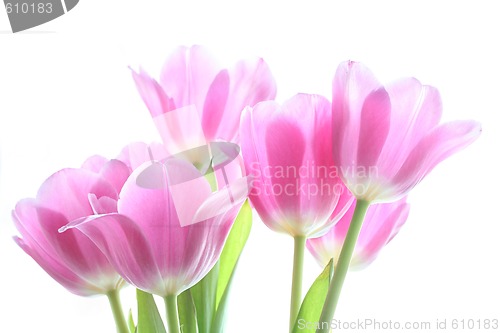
<point>172,317</point>
<point>116,307</point>
<point>298,263</point>
<point>340,270</point>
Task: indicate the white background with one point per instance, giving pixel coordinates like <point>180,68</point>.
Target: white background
<point>66,93</point>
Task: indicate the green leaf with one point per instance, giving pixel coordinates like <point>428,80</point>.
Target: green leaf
<point>310,310</point>
<point>149,320</point>
<point>211,293</point>
<point>130,322</point>
<point>187,312</point>
<point>204,293</point>
<point>232,249</point>
<point>220,316</point>
<point>228,261</point>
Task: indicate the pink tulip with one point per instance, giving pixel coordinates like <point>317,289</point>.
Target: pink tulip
<point>71,258</point>
<point>287,150</point>
<point>197,101</point>
<point>147,242</point>
<point>382,222</point>
<point>387,139</point>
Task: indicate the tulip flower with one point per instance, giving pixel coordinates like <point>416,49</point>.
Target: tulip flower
<point>287,150</point>
<point>388,138</point>
<point>193,87</point>
<point>296,189</point>
<point>71,258</point>
<point>382,222</point>
<point>169,230</point>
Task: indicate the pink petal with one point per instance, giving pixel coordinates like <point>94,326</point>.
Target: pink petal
<point>287,151</point>
<point>443,141</point>
<point>252,133</point>
<point>58,271</point>
<point>72,260</point>
<point>222,201</point>
<point>102,205</point>
<point>184,178</point>
<point>181,254</point>
<point>67,191</point>
<point>152,94</point>
<point>77,251</point>
<point>318,186</point>
<point>26,221</point>
<point>251,82</point>
<point>94,163</point>
<point>187,75</point>
<point>157,215</point>
<point>126,247</point>
<point>210,237</point>
<point>116,173</point>
<point>180,129</point>
<point>353,82</point>
<point>346,201</point>
<point>285,146</point>
<point>384,222</point>
<point>416,110</point>
<point>375,124</point>
<point>215,103</point>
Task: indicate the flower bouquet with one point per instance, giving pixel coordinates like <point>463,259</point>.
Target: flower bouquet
<point>172,218</point>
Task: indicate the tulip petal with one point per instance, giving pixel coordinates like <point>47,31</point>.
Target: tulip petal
<point>251,82</point>
<point>375,124</point>
<point>187,74</point>
<point>158,216</point>
<point>353,82</point>
<point>94,163</point>
<point>102,205</point>
<point>382,223</point>
<point>72,260</point>
<point>222,201</point>
<point>180,129</point>
<point>345,206</point>
<point>215,103</point>
<point>58,271</point>
<point>67,191</point>
<point>252,133</point>
<point>125,246</point>
<point>439,144</point>
<point>27,223</point>
<point>116,173</point>
<point>416,110</point>
<point>285,147</point>
<point>152,94</point>
<point>184,178</point>
<point>288,151</point>
<point>73,244</point>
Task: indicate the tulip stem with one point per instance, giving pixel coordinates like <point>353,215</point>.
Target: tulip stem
<point>340,271</point>
<point>298,263</point>
<point>116,307</point>
<point>172,316</point>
